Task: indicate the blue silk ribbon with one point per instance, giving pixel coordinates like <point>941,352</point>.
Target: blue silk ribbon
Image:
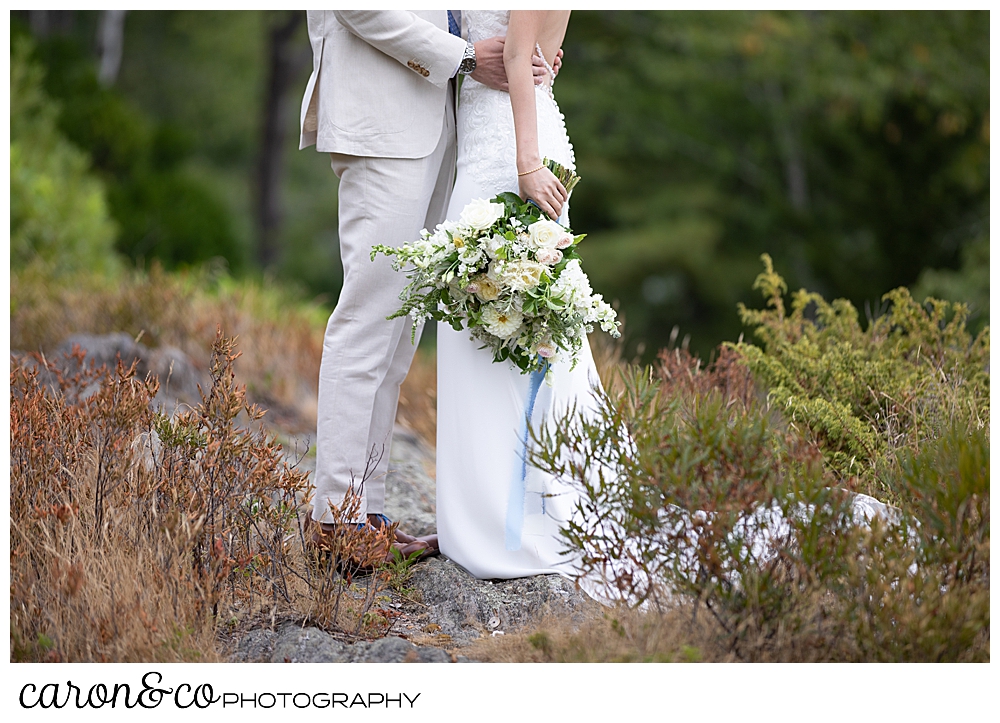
<point>515,501</point>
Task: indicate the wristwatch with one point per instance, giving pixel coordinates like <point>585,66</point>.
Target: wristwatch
<point>468,63</point>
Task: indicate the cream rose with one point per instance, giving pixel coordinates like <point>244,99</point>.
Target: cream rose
<point>480,214</point>
<point>488,290</point>
<point>545,234</point>
<point>523,275</point>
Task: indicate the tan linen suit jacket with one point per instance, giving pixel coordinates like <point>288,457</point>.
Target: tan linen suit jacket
<point>379,85</point>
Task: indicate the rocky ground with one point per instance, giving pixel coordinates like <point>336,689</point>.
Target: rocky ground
<point>445,608</point>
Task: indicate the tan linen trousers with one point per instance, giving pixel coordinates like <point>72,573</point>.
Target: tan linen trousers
<point>365,357</point>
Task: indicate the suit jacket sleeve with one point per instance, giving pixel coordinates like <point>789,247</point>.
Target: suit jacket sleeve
<point>414,42</point>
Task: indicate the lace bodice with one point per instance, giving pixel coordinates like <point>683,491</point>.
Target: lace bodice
<point>486,122</point>
<point>486,23</point>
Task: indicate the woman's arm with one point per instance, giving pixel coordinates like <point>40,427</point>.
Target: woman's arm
<point>539,185</point>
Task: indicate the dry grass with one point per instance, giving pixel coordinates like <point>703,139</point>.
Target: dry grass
<point>141,537</point>
<point>281,336</point>
<point>619,636</point>
<point>418,398</point>
<point>686,633</point>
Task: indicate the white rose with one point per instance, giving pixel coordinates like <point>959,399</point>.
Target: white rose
<point>549,257</point>
<point>494,244</point>
<point>470,255</point>
<point>480,214</point>
<point>565,241</point>
<point>545,234</point>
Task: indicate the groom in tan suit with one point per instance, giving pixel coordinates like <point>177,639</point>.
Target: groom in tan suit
<point>381,102</point>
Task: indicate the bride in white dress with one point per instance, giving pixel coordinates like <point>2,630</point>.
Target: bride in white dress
<point>497,516</point>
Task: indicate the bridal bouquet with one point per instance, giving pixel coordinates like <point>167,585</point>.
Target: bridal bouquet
<point>509,275</point>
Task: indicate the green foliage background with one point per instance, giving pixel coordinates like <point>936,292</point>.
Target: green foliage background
<point>850,146</point>
<point>58,214</point>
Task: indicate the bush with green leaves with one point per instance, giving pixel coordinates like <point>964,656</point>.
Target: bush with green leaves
<point>698,493</point>
<point>921,590</point>
<point>703,488</point>
<point>862,394</point>
<point>58,209</point>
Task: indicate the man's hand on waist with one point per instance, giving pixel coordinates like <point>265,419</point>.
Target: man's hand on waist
<point>490,70</point>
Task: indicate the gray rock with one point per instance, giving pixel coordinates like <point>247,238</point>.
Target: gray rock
<point>256,646</point>
<point>178,374</point>
<point>105,349</point>
<point>308,645</point>
<point>466,608</point>
<point>397,650</point>
<point>293,644</point>
<point>179,377</point>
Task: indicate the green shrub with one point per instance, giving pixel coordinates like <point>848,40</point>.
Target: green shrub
<point>921,591</point>
<point>862,394</point>
<point>58,212</point>
<point>680,487</point>
<point>707,489</point>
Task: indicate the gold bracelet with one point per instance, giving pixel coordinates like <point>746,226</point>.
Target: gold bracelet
<point>532,170</point>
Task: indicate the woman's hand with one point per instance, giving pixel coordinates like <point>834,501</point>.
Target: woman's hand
<point>544,189</point>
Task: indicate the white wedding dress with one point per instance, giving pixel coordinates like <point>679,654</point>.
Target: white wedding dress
<point>497,516</point>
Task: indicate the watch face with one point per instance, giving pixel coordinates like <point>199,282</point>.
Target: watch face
<point>469,61</point>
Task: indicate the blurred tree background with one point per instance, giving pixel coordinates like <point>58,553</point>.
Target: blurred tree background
<point>851,146</point>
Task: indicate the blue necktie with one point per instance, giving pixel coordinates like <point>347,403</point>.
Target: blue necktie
<point>454,25</point>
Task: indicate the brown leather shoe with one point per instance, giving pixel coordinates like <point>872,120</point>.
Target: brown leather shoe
<point>357,550</point>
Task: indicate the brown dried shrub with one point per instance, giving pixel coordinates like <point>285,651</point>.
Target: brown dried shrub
<point>139,537</point>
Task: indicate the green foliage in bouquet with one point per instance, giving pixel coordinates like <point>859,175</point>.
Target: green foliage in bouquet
<point>862,394</point>
<point>509,275</point>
